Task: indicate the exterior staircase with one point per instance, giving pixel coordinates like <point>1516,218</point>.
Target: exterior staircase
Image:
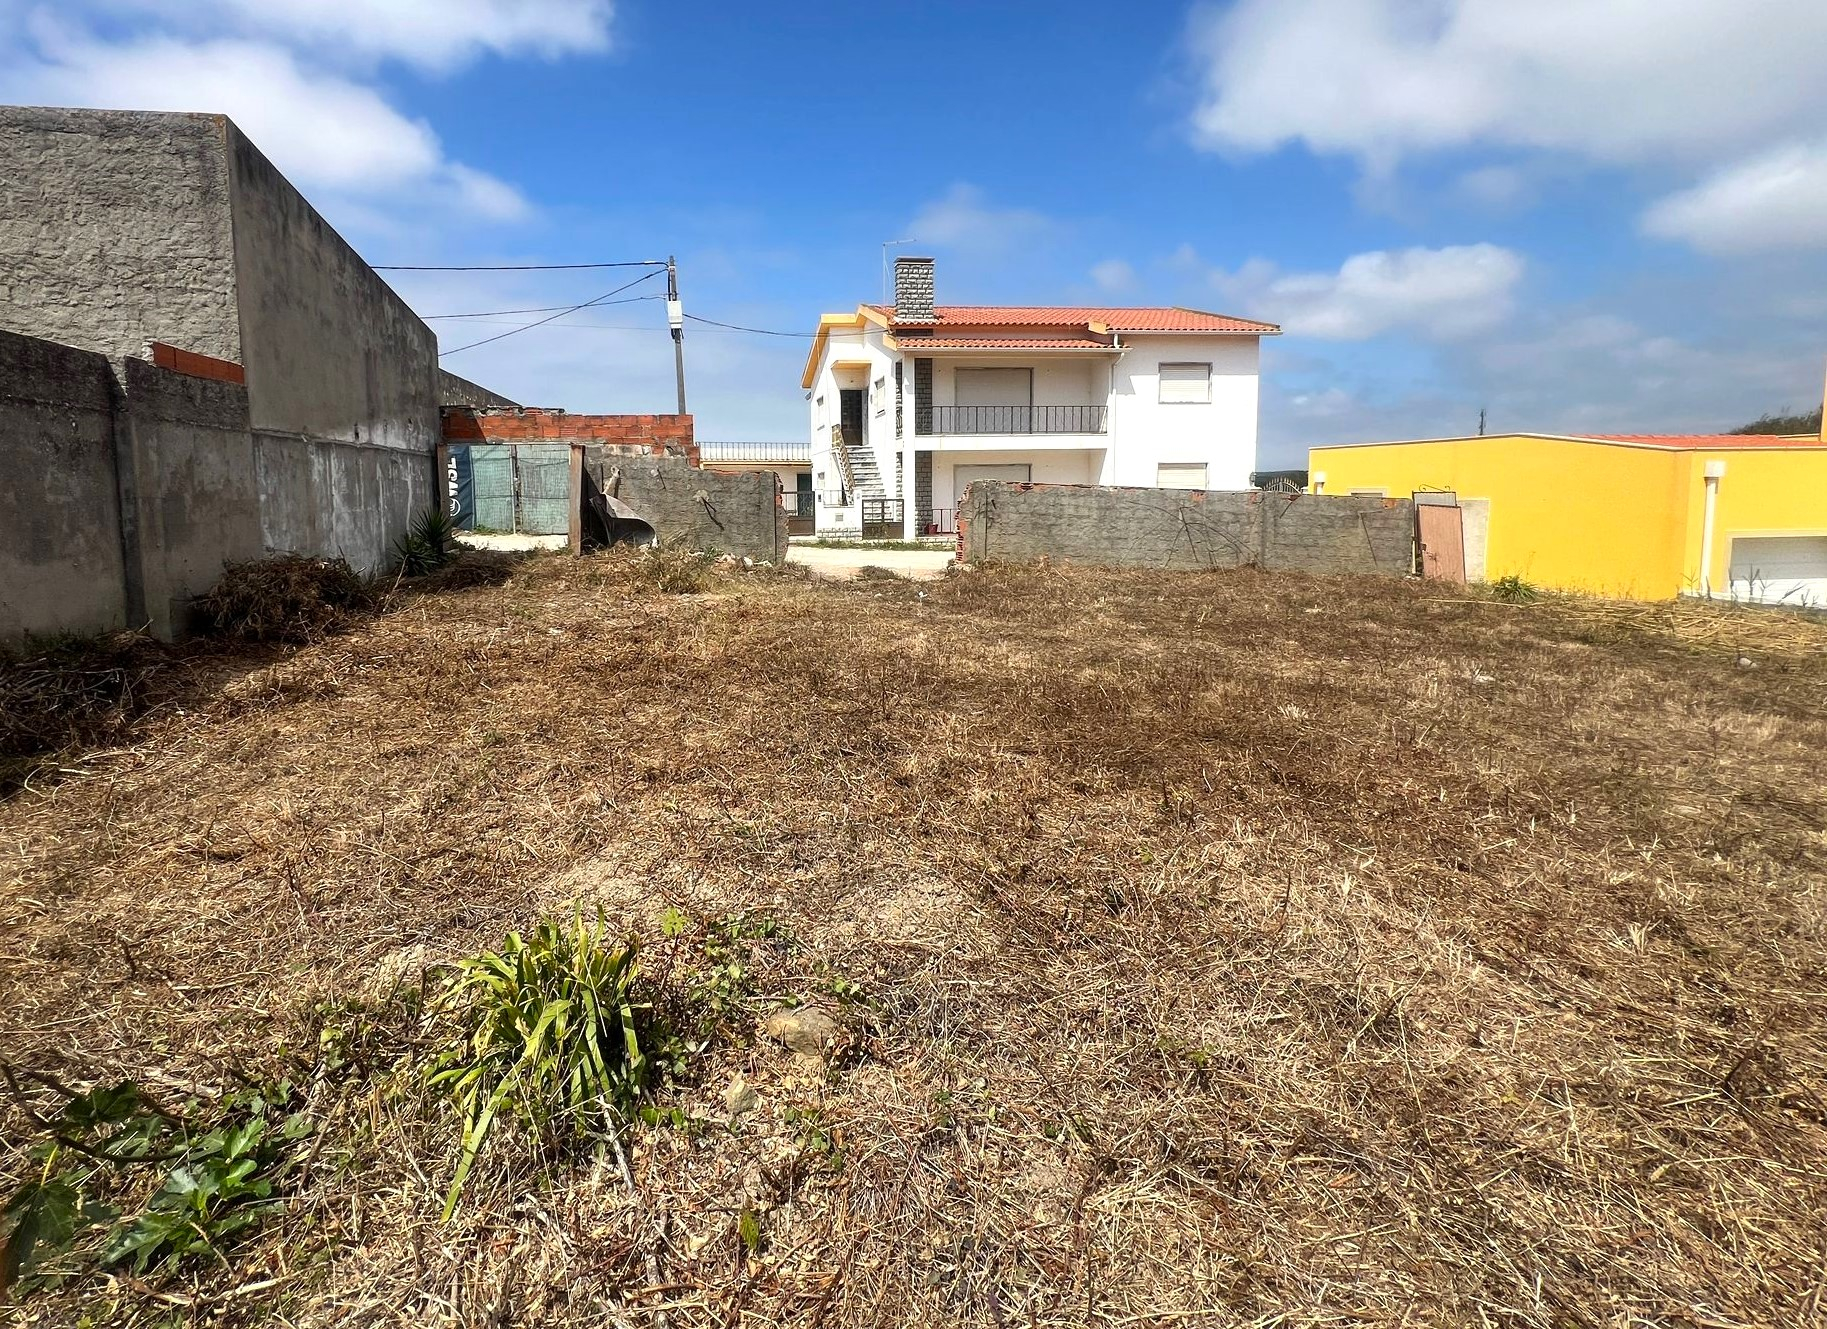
<point>861,475</point>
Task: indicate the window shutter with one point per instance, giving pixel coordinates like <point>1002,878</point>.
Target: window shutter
<point>1186,382</point>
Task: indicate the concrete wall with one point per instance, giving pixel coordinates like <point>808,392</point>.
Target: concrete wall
<point>732,514</point>
<point>189,485</point>
<point>121,229</point>
<point>1186,529</point>
<point>330,350</point>
<point>338,500</point>
<point>456,391</point>
<point>116,230</point>
<point>61,566</point>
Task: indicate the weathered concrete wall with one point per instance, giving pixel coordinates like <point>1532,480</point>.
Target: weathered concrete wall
<point>61,566</point>
<point>1169,528</point>
<point>115,230</point>
<point>122,229</point>
<point>457,391</point>
<point>330,350</point>
<point>338,500</point>
<point>188,461</point>
<point>736,514</point>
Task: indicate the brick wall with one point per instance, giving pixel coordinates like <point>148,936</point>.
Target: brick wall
<point>1170,528</point>
<point>660,435</point>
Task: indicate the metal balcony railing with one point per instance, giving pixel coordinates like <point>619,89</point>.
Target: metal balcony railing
<point>1017,420</point>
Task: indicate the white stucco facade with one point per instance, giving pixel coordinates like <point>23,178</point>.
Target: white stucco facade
<point>1084,403</point>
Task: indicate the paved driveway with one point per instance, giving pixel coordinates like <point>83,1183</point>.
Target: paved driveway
<point>917,564</point>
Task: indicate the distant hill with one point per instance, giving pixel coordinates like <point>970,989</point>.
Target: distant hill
<point>1783,424</point>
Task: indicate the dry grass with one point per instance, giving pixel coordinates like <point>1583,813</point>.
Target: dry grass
<point>1221,948</point>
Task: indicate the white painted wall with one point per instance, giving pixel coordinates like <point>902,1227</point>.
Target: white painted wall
<point>1046,467</point>
<point>1221,433</point>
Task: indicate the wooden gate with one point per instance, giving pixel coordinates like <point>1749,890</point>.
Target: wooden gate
<point>1441,535</point>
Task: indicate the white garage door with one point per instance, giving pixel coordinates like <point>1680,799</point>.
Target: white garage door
<point>963,475</point>
<point>1786,569</point>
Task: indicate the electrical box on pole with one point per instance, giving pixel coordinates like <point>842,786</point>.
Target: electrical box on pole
<point>675,319</point>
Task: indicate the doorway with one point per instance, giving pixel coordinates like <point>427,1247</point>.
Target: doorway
<point>850,416</point>
<point>1442,539</point>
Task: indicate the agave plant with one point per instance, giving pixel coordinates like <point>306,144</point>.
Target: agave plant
<point>551,1038</point>
<point>428,544</point>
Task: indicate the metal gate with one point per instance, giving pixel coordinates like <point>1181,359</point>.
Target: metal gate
<point>521,488</point>
<point>884,518</point>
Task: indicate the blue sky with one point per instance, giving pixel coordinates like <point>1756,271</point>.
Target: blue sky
<point>1577,214</point>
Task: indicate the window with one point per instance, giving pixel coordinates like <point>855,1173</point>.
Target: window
<point>1186,382</point>
<point>881,395</point>
<point>1180,475</point>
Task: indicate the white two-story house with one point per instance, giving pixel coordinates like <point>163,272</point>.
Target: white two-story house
<point>909,404</point>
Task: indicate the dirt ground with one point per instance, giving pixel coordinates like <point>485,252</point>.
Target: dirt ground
<point>915,564</point>
<point>1215,948</point>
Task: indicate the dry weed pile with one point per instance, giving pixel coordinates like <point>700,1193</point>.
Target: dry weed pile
<point>1209,948</point>
<point>290,598</point>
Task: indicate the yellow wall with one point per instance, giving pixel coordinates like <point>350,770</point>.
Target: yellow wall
<point>1604,518</point>
<point>1763,492</point>
<point>1577,516</point>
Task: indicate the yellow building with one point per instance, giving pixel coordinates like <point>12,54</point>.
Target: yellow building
<point>1641,516</point>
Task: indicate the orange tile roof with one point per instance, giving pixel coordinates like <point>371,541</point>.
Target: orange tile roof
<point>1004,343</point>
<point>1147,319</point>
<point>1710,442</point>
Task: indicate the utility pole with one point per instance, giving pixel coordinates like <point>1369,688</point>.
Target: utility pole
<point>675,317</point>
<point>1481,422</point>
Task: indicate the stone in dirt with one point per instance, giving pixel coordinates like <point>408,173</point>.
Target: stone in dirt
<point>740,1097</point>
<point>808,1030</point>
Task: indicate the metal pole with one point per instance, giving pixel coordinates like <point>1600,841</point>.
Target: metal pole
<point>675,315</point>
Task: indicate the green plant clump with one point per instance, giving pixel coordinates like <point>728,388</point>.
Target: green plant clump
<point>1513,590</point>
<point>552,1038</point>
<point>207,1175</point>
<point>428,544</point>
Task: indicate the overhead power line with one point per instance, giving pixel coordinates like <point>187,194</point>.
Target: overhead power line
<point>540,309</point>
<point>513,267</point>
<point>571,309</point>
<point>737,327</point>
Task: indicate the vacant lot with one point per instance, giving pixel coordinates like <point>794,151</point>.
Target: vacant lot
<point>1216,948</point>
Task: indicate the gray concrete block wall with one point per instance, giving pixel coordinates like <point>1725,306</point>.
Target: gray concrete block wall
<point>454,390</point>
<point>191,484</point>
<point>115,230</point>
<point>330,499</point>
<point>1168,528</point>
<point>61,563</point>
<point>730,512</point>
<point>330,350</point>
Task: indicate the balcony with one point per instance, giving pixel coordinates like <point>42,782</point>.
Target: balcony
<point>977,420</point>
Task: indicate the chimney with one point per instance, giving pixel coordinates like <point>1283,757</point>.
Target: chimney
<point>913,290</point>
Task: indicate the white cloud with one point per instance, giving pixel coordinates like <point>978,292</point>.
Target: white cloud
<point>1113,275</point>
<point>1439,294</point>
<point>963,219</point>
<point>1775,200</point>
<point>1618,81</point>
<point>323,131</point>
<point>438,34</point>
<point>1496,188</point>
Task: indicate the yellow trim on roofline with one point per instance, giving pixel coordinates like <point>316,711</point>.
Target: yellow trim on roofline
<point>1570,438</point>
<point>826,322</point>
